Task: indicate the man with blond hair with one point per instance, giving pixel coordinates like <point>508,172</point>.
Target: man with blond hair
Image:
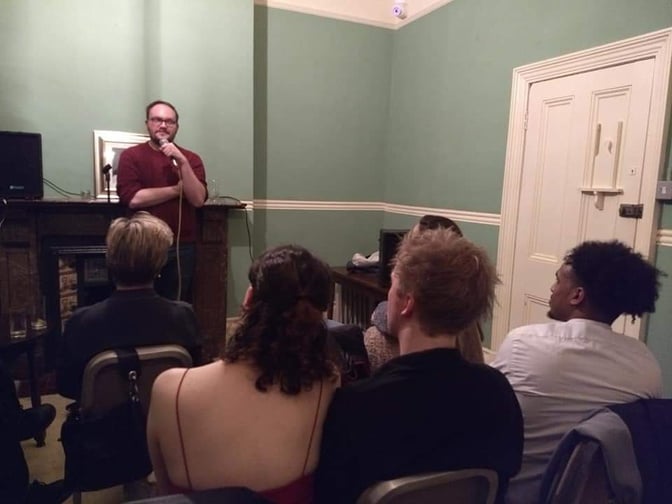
<point>428,409</point>
<point>134,315</point>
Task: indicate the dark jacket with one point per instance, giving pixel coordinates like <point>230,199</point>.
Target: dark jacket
<point>128,318</point>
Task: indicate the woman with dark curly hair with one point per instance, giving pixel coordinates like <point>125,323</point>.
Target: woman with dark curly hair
<point>254,418</point>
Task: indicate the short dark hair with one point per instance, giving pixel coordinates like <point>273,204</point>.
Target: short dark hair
<point>137,248</point>
<point>438,221</point>
<point>282,331</point>
<point>162,102</point>
<point>617,280</point>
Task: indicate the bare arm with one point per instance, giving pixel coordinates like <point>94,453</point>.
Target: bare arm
<point>159,465</point>
<point>160,423</point>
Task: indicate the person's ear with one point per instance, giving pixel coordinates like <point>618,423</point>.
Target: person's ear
<point>578,296</point>
<point>247,300</point>
<point>408,305</point>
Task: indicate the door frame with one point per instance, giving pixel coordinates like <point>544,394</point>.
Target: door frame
<point>656,45</point>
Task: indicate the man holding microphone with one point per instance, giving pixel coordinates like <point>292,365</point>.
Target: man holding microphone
<point>169,182</point>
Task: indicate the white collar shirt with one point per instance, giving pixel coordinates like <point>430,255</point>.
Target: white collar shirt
<point>561,372</point>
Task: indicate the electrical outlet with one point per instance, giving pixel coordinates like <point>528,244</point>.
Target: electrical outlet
<point>664,190</point>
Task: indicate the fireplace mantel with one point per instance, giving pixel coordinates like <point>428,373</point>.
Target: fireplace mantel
<point>28,222</point>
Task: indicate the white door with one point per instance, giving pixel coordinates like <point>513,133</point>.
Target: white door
<point>584,152</point>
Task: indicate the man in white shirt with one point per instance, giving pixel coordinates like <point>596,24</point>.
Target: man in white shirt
<point>564,370</point>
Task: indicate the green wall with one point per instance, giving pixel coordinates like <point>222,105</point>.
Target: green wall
<point>291,226</point>
<point>66,71</point>
<point>659,337</point>
<point>321,98</point>
<point>321,101</point>
<point>71,67</point>
<point>451,87</point>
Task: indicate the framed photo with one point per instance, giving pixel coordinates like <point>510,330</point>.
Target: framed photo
<point>107,146</point>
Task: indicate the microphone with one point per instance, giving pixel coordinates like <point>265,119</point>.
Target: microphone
<point>106,173</point>
<point>164,141</point>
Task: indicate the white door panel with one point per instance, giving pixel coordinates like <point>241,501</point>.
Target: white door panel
<point>583,158</point>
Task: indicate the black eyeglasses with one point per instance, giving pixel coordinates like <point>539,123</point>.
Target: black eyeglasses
<point>156,121</point>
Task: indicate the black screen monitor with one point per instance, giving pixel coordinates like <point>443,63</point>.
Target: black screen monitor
<point>20,165</point>
<point>388,242</point>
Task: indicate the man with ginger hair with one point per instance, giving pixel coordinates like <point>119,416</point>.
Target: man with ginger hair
<point>381,346</point>
<point>134,315</point>
<point>428,409</point>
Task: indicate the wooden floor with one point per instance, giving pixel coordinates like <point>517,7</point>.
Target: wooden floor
<point>46,463</point>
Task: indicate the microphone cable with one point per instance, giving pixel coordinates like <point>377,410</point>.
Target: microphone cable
<point>179,235</point>
<point>59,189</point>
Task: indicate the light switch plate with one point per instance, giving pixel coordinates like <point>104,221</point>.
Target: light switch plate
<point>664,190</point>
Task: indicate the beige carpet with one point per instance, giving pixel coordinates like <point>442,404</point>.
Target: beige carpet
<point>46,463</point>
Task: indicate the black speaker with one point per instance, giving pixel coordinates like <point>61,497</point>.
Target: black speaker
<point>387,248</point>
<point>20,165</point>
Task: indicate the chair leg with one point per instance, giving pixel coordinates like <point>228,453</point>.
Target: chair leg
<point>76,497</point>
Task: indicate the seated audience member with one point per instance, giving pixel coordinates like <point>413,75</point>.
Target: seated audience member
<point>346,349</point>
<point>253,419</point>
<point>563,370</point>
<point>428,409</point>
<point>134,315</point>
<point>16,425</point>
<point>382,346</point>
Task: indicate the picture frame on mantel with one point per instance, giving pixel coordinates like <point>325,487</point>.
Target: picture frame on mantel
<point>107,147</point>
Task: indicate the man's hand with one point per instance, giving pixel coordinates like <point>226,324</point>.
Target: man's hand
<point>170,149</point>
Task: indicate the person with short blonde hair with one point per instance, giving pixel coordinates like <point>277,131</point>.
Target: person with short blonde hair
<point>137,248</point>
<point>428,409</point>
<point>134,315</point>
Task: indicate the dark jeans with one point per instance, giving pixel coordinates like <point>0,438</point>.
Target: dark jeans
<point>166,283</point>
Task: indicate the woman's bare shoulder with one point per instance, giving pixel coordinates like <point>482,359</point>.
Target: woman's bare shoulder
<point>167,382</point>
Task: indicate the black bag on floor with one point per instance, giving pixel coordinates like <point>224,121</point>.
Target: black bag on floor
<point>109,449</point>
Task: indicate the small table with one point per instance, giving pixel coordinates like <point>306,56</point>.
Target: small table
<point>10,347</point>
<point>360,293</point>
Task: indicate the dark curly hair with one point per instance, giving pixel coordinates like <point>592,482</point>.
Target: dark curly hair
<point>616,279</point>
<point>438,222</point>
<point>282,331</point>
